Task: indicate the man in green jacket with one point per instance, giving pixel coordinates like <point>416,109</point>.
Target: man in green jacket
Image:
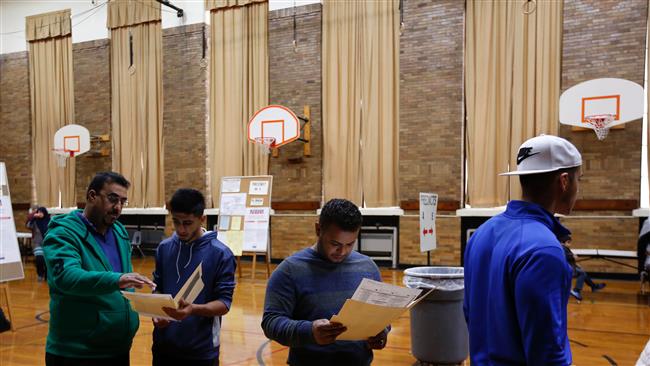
<point>88,257</point>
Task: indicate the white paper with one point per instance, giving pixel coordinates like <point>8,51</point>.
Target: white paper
<point>235,223</point>
<point>255,240</point>
<point>373,307</point>
<point>9,252</point>
<point>428,208</point>
<point>233,240</point>
<point>259,188</point>
<point>256,229</point>
<point>257,201</point>
<point>230,185</point>
<point>224,222</point>
<point>379,293</point>
<point>233,204</point>
<point>257,218</point>
<point>11,265</point>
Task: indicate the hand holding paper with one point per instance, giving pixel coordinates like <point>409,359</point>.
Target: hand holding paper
<point>378,341</point>
<point>372,308</point>
<point>163,306</point>
<point>183,311</point>
<point>325,332</point>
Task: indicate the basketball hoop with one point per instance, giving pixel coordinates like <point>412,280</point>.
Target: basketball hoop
<point>601,123</point>
<point>61,156</point>
<point>267,143</point>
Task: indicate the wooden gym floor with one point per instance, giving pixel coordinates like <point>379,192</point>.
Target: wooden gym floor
<point>608,328</point>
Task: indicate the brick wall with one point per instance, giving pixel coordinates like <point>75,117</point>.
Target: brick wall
<point>620,233</point>
<point>92,101</point>
<point>291,233</point>
<point>15,124</point>
<point>185,108</point>
<point>606,39</point>
<point>295,81</point>
<point>431,97</point>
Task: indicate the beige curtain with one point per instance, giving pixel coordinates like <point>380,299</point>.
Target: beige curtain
<point>513,74</point>
<point>238,88</point>
<point>361,101</point>
<point>342,100</point>
<point>380,104</point>
<point>220,4</point>
<point>52,104</point>
<point>136,102</point>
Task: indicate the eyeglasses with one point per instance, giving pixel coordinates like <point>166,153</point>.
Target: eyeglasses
<point>115,199</point>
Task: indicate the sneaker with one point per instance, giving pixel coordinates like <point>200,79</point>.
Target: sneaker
<point>598,286</point>
<point>576,294</point>
<point>5,325</point>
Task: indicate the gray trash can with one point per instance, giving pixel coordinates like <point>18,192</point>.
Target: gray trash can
<point>438,328</point>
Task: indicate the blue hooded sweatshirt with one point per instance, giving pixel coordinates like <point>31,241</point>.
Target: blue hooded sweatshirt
<point>517,283</point>
<point>195,337</point>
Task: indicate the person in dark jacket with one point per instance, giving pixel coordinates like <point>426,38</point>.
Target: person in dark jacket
<point>517,279</point>
<point>38,221</point>
<point>194,338</point>
<point>581,275</point>
<point>88,257</point>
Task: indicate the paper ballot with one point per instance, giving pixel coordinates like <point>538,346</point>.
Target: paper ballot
<point>151,304</point>
<point>373,307</point>
<point>380,293</point>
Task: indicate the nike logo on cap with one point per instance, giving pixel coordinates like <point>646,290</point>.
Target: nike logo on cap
<point>525,153</point>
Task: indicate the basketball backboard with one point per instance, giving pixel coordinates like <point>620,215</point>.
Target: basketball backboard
<point>619,98</point>
<point>276,122</point>
<point>71,140</point>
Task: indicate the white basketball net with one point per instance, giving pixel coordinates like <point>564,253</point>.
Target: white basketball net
<point>601,123</point>
<point>61,157</point>
<point>266,142</point>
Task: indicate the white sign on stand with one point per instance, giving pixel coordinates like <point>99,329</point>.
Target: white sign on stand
<point>428,209</point>
<point>11,265</point>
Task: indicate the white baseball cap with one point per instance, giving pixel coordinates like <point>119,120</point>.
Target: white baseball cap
<point>545,153</point>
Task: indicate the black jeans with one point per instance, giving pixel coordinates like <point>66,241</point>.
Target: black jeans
<point>41,269</point>
<point>166,360</point>
<point>55,360</point>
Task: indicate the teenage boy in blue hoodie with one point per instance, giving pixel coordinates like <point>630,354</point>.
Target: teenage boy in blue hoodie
<point>194,338</point>
<point>517,279</point>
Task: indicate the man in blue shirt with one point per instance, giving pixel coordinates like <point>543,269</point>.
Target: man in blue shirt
<point>312,285</point>
<point>517,279</point>
<point>194,338</point>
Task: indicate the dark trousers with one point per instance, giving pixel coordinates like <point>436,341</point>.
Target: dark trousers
<point>41,269</point>
<point>54,360</point>
<point>166,360</point>
<point>582,277</point>
<point>5,325</point>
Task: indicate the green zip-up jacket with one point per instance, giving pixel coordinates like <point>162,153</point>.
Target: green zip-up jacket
<point>89,318</point>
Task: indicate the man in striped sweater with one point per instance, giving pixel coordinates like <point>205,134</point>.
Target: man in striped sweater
<point>310,286</point>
